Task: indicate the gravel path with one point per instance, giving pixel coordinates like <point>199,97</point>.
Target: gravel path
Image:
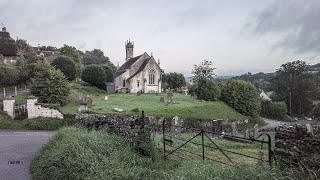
<point>16,151</point>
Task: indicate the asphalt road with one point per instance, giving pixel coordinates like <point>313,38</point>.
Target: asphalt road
<point>16,151</point>
<point>272,124</point>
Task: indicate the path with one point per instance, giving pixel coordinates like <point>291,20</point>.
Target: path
<point>19,146</point>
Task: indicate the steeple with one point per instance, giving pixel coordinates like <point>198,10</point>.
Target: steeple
<point>129,49</point>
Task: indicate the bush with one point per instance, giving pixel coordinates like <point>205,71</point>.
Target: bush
<point>316,111</point>
<point>94,75</point>
<point>109,73</point>
<point>274,110</point>
<point>49,84</point>
<point>207,90</point>
<point>9,76</point>
<point>66,66</point>
<point>241,96</point>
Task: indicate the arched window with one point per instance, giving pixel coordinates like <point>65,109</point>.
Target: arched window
<point>152,75</point>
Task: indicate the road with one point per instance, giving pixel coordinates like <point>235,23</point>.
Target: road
<point>16,151</point>
<point>272,124</point>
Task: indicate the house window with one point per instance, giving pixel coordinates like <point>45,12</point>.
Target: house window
<point>138,83</point>
<point>152,74</point>
<point>124,83</point>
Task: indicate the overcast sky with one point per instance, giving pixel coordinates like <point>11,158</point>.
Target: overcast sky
<point>238,36</point>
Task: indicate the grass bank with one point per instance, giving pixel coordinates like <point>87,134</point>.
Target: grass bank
<point>80,154</point>
<point>34,124</point>
<point>184,106</point>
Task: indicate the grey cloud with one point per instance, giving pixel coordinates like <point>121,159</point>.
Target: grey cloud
<point>296,20</point>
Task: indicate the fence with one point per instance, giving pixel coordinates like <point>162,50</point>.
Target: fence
<point>208,145</point>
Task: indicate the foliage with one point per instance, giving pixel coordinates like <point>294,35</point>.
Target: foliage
<point>95,57</point>
<point>174,80</point>
<point>259,80</point>
<point>203,71</point>
<point>7,45</point>
<point>184,106</point>
<point>294,84</point>
<point>274,110</point>
<point>80,154</point>
<point>23,47</point>
<point>9,76</point>
<point>66,66</point>
<point>316,111</point>
<point>73,53</point>
<point>34,124</point>
<point>242,96</point>
<point>48,48</point>
<point>207,90</point>
<point>109,73</point>
<point>49,84</point>
<point>94,75</point>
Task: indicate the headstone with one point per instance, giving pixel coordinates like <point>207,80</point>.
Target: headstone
<point>217,128</point>
<point>170,95</point>
<point>234,130</point>
<point>255,130</point>
<point>176,126</point>
<point>118,109</point>
<point>82,107</point>
<point>106,98</point>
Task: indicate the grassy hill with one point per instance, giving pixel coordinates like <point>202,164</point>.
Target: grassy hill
<point>183,106</point>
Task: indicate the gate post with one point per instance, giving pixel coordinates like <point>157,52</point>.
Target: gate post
<point>164,142</point>
<point>202,144</point>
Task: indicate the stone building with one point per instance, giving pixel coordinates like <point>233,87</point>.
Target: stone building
<point>138,74</point>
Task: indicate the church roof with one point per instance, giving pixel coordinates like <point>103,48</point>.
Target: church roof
<point>126,65</point>
<point>143,65</point>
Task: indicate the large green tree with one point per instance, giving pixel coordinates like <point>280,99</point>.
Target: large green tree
<point>207,90</point>
<point>296,86</point>
<point>49,84</point>
<point>94,75</point>
<point>203,71</point>
<point>66,66</point>
<point>241,96</point>
<point>174,80</point>
<point>73,53</point>
<point>9,75</point>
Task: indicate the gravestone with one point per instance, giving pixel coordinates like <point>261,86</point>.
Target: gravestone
<point>170,95</point>
<point>234,130</point>
<point>255,130</point>
<point>216,128</point>
<point>176,126</point>
<point>88,100</point>
<point>106,98</point>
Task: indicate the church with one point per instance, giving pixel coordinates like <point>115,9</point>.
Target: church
<point>138,74</point>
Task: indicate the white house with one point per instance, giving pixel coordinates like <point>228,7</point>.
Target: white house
<point>138,74</point>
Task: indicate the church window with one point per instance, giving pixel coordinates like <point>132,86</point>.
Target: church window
<point>124,83</point>
<point>152,74</point>
<point>138,83</point>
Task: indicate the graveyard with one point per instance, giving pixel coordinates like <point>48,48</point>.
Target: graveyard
<point>182,105</point>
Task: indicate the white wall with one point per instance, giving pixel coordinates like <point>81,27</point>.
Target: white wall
<point>8,107</point>
<point>36,110</point>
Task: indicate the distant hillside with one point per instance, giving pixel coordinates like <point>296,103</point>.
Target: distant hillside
<point>260,80</point>
<point>315,67</point>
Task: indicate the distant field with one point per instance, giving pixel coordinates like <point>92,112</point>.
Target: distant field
<point>184,106</point>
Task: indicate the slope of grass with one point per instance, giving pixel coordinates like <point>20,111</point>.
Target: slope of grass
<point>34,124</point>
<point>80,154</point>
<point>183,106</point>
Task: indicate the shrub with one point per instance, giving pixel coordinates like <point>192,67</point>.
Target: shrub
<point>66,66</point>
<point>316,111</point>
<point>109,73</point>
<point>49,84</point>
<point>207,90</point>
<point>274,110</point>
<point>94,75</point>
<point>9,76</point>
<point>241,96</point>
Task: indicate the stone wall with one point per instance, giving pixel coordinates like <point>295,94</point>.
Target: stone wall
<point>36,109</point>
<point>298,143</point>
<point>133,129</point>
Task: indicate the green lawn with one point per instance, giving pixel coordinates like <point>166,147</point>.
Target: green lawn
<point>183,106</point>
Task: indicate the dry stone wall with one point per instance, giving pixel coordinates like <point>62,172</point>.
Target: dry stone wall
<point>298,143</point>
<point>133,129</point>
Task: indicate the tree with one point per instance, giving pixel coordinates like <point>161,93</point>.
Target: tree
<point>174,80</point>
<point>241,96</point>
<point>23,47</point>
<point>49,84</point>
<point>295,86</point>
<point>66,66</point>
<point>203,71</point>
<point>207,90</point>
<point>94,75</point>
<point>9,75</point>
<point>73,53</point>
<point>109,73</point>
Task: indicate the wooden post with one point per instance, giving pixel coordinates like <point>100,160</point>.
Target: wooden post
<point>15,91</point>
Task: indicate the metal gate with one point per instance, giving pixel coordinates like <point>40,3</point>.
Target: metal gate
<point>207,145</point>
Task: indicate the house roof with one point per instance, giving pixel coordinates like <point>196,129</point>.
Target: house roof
<point>126,65</point>
<point>265,97</point>
<point>143,65</point>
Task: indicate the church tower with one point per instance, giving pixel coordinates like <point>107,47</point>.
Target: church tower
<point>129,49</point>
